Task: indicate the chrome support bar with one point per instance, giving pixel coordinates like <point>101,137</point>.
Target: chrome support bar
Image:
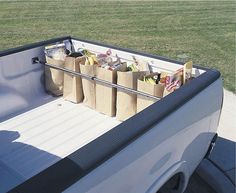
<point>98,80</point>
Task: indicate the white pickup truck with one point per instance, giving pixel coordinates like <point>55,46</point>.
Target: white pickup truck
<point>49,145</point>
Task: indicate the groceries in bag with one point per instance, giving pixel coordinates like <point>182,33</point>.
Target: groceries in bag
<point>149,84</point>
<point>126,101</point>
<point>106,70</point>
<point>89,86</point>
<point>55,54</point>
<point>137,75</point>
<point>177,79</point>
<point>72,90</point>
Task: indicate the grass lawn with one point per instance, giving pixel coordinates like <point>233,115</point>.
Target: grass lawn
<point>203,31</point>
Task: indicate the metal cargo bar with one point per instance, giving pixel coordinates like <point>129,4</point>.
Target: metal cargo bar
<point>96,79</point>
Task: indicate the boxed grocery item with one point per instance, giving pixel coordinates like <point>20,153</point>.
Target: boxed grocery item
<point>176,79</point>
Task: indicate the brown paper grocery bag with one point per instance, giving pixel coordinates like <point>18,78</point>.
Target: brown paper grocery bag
<point>126,104</point>
<point>54,78</point>
<point>89,86</point>
<point>72,90</point>
<point>154,90</point>
<point>106,95</point>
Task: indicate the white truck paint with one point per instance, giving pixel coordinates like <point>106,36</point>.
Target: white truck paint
<point>111,156</point>
<point>176,145</point>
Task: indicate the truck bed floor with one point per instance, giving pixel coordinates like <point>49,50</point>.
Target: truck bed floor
<point>38,138</point>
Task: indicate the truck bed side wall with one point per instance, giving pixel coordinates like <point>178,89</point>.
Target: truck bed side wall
<point>21,82</point>
<point>181,140</point>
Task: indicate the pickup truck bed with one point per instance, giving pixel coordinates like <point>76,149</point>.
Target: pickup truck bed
<point>51,145</point>
<point>49,133</point>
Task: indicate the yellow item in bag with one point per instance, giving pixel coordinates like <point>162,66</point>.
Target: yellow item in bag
<point>187,71</point>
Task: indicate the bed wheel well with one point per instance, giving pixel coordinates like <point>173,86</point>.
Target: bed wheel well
<point>173,185</point>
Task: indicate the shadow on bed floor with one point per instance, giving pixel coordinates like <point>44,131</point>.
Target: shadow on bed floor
<point>20,161</point>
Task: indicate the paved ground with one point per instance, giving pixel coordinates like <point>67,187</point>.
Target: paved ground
<point>198,185</point>
<point>217,174</point>
<point>223,156</point>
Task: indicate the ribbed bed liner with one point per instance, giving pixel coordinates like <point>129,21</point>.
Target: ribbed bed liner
<point>38,138</point>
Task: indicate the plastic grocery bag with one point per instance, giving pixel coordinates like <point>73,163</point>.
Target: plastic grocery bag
<point>73,90</point>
